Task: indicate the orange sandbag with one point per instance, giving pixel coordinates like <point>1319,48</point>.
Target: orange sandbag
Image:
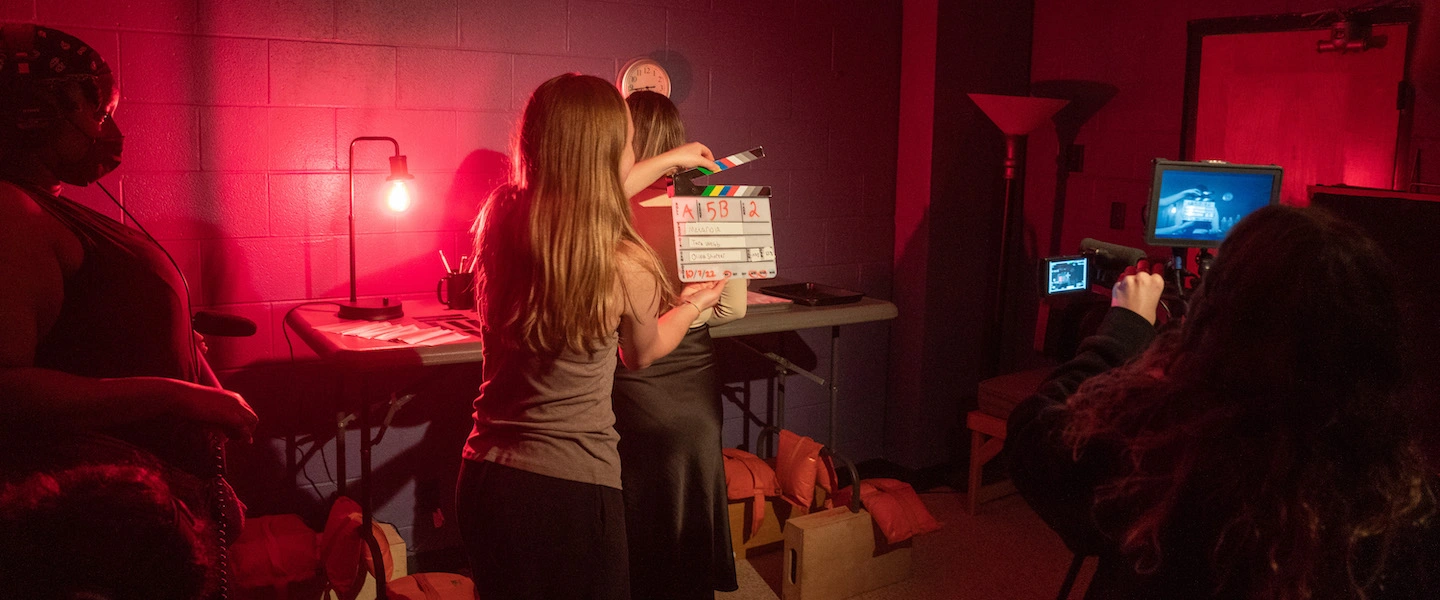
<point>797,467</point>
<point>749,478</point>
<point>344,555</point>
<point>431,586</point>
<point>275,557</point>
<point>896,508</point>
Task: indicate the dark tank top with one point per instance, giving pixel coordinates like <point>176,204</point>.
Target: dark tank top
<point>124,312</point>
<point>124,315</point>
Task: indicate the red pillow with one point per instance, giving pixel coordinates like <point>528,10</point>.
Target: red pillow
<point>896,508</point>
<point>749,478</point>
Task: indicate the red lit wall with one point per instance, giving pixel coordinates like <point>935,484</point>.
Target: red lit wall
<point>1138,46</point>
<point>239,114</point>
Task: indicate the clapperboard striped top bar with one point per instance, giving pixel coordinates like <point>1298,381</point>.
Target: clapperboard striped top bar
<point>681,184</point>
<point>735,160</point>
<point>735,190</point>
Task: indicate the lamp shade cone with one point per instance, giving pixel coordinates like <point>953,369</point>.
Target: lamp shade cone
<point>1017,115</point>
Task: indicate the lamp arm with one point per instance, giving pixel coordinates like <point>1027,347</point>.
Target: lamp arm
<point>350,168</point>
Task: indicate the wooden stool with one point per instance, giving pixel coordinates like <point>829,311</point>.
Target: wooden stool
<point>998,396</point>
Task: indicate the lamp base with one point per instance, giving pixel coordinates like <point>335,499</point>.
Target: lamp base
<point>371,310</point>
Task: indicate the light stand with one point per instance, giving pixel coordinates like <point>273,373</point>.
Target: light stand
<point>1016,116</point>
<point>1086,98</point>
<point>399,200</point>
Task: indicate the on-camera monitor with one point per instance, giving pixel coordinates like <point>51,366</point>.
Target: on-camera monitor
<point>1067,274</point>
<point>1194,204</point>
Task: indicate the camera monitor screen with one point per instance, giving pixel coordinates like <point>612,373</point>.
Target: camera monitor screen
<point>1194,204</point>
<point>1066,274</point>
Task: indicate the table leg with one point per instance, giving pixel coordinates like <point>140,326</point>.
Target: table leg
<point>341,419</point>
<point>367,530</point>
<point>780,373</point>
<point>834,386</point>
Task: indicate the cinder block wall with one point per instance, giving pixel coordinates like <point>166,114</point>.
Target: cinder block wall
<point>239,116</point>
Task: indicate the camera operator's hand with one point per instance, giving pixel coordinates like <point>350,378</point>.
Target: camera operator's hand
<point>1139,289</point>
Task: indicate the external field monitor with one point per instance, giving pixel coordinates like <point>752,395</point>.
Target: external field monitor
<point>1194,204</point>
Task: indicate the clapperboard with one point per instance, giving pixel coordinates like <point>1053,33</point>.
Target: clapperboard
<point>722,231</point>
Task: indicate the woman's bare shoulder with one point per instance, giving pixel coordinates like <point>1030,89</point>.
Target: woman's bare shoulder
<point>21,217</point>
<point>24,223</point>
<point>16,205</point>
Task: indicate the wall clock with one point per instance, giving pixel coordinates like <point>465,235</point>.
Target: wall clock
<point>643,74</point>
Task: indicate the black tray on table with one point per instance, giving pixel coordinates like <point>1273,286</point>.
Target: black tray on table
<point>813,294</point>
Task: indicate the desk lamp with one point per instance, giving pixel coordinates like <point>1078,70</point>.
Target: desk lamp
<point>398,201</point>
<point>1016,116</point>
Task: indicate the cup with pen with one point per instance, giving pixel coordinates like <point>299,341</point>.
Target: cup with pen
<point>456,290</point>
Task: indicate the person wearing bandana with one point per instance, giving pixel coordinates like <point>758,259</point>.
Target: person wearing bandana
<point>98,363</point>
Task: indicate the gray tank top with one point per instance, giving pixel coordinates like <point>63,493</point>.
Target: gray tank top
<point>548,416</point>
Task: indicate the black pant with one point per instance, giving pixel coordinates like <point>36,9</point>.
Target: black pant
<point>530,536</point>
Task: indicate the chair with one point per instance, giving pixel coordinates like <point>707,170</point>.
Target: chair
<point>998,396</point>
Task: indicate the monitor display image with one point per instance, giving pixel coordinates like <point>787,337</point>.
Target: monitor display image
<point>1194,204</point>
<point>1067,274</point>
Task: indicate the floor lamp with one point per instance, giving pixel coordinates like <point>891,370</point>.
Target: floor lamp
<point>398,201</point>
<point>1016,116</point>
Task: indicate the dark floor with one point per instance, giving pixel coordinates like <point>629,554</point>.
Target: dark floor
<point>1004,552</point>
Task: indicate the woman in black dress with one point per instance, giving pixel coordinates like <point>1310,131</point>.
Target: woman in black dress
<point>668,415</point>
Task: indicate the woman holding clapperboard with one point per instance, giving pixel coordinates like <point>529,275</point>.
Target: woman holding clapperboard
<point>563,281</point>
<point>669,415</point>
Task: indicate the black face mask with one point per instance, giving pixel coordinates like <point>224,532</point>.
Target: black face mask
<point>102,157</point>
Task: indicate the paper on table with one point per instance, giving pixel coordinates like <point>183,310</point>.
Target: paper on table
<point>413,334</point>
<point>424,334</point>
<point>393,334</point>
<point>453,336</point>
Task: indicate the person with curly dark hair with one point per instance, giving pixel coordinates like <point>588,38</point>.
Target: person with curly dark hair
<point>1261,449</point>
<point>100,532</point>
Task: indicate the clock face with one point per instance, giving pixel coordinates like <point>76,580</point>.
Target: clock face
<point>644,74</point>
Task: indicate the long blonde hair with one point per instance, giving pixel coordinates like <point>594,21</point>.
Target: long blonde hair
<point>658,127</point>
<point>548,241</point>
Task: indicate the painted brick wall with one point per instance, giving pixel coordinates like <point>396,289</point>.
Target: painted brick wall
<point>239,115</point>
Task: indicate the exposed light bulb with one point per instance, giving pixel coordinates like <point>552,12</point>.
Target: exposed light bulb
<point>399,199</point>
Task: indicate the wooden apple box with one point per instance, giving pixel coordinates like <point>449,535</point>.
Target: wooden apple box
<point>771,532</point>
<point>833,554</point>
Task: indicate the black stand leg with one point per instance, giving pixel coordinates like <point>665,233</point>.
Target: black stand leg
<point>367,530</point>
<point>1070,576</point>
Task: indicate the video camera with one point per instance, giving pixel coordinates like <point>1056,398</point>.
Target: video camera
<point>1099,264</point>
<point>1192,205</point>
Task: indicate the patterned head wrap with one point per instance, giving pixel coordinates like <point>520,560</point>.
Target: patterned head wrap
<point>41,53</point>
